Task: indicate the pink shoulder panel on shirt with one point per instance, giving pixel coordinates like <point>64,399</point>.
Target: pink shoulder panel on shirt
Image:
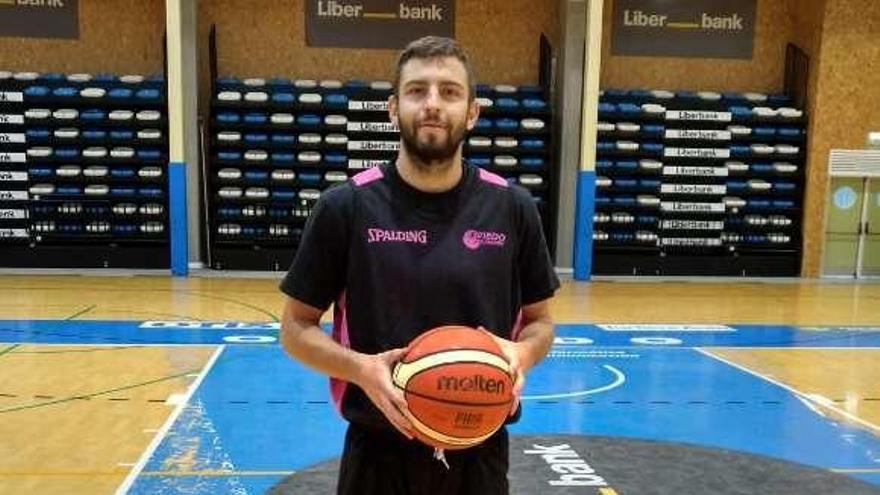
<point>367,176</point>
<point>493,178</point>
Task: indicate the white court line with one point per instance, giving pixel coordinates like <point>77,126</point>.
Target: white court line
<point>154,444</point>
<point>176,399</point>
<point>120,345</point>
<point>788,347</point>
<point>687,345</point>
<point>811,406</point>
<point>800,395</point>
<point>556,347</point>
<point>619,379</point>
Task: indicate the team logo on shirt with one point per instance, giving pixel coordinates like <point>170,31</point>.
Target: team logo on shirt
<point>474,239</point>
<point>404,236</point>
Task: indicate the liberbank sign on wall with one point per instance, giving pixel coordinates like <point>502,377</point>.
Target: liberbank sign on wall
<point>683,28</point>
<point>376,23</point>
<point>39,18</point>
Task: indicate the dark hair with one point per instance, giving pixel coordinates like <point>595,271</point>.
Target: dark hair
<point>436,47</point>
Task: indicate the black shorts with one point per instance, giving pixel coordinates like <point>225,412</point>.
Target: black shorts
<point>381,462</point>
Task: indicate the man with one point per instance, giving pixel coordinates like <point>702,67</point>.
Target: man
<point>422,242</point>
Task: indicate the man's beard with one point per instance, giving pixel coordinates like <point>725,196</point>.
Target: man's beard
<point>433,149</point>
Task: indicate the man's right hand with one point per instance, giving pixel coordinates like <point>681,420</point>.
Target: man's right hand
<point>374,377</point>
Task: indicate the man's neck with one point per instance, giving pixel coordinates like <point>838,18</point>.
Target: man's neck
<point>435,177</point>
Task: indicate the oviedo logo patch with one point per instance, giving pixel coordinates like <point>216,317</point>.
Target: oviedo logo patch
<point>475,239</point>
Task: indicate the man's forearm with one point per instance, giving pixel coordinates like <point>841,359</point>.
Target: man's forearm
<point>535,340</point>
<point>314,348</point>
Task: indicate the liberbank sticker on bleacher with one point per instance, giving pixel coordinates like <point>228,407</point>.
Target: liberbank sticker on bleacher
<point>39,18</point>
<point>376,23</point>
<point>684,28</point>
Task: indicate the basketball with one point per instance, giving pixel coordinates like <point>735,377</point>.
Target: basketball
<point>457,385</point>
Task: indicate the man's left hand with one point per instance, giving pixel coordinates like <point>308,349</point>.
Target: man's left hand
<point>513,351</point>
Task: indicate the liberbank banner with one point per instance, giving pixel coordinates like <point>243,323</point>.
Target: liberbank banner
<point>39,18</point>
<point>376,23</point>
<point>684,28</point>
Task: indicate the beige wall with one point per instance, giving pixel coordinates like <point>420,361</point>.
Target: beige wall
<point>845,103</point>
<point>842,39</point>
<point>115,36</point>
<point>501,36</point>
<point>764,72</point>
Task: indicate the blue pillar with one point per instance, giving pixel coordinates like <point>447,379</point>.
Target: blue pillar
<point>178,217</point>
<point>583,226</point>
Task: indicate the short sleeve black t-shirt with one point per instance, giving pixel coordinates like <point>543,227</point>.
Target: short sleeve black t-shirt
<point>397,262</point>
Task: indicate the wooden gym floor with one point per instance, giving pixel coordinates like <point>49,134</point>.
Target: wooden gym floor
<point>145,383</point>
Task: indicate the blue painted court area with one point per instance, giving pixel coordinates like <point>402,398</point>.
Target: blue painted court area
<point>257,416</point>
<point>202,332</point>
